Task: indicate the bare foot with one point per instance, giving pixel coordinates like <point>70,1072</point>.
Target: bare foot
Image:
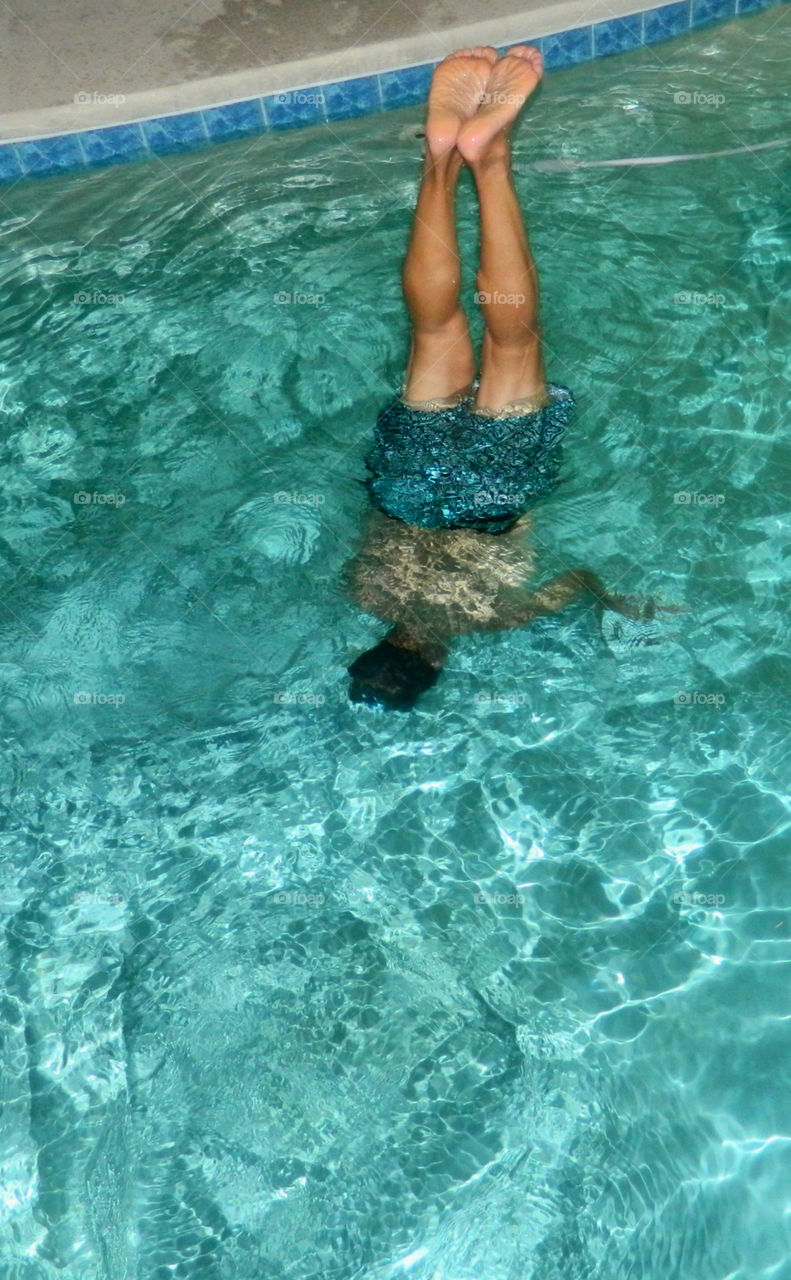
<point>510,84</point>
<point>458,88</point>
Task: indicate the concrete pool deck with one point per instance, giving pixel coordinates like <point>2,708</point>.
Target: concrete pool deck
<point>50,50</point>
<point>80,86</point>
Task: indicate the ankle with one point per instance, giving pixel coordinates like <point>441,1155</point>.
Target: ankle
<point>444,168</point>
<point>495,159</point>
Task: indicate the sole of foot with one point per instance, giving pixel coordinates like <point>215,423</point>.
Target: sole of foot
<point>511,82</point>
<point>458,87</point>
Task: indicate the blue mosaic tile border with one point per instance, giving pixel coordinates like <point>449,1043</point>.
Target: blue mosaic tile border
<point>113,144</point>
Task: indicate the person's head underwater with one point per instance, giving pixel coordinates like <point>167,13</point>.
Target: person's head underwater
<point>392,676</point>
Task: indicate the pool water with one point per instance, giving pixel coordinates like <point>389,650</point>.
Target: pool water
<point>497,989</point>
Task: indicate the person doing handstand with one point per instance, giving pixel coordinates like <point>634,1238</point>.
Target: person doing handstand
<point>456,460</point>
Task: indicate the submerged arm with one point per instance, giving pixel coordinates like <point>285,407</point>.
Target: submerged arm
<point>521,608</point>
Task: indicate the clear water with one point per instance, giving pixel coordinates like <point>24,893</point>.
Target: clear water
<point>381,1075</point>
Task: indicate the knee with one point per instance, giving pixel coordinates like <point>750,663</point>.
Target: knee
<point>444,328</point>
<point>510,308</point>
<point>510,346</point>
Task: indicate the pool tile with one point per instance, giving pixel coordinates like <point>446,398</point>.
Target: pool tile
<point>348,98</point>
<point>295,107</point>
<point>118,142</point>
<point>753,6</point>
<point>175,133</point>
<point>568,48</point>
<point>706,11</point>
<point>535,41</point>
<point>670,20</point>
<point>617,35</point>
<point>234,120</point>
<point>10,163</point>
<point>59,154</point>
<point>406,87</point>
<point>68,153</point>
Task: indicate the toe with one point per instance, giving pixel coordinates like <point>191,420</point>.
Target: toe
<point>528,53</point>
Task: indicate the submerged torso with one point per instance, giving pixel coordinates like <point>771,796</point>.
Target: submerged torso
<point>449,581</point>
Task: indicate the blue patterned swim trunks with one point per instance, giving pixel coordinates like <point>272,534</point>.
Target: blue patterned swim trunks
<point>452,468</point>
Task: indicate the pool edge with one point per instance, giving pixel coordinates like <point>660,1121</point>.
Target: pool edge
<point>48,147</point>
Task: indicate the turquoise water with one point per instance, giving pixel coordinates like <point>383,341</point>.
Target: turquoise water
<point>296,990</point>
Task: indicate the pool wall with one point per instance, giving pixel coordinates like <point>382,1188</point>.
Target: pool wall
<point>293,94</point>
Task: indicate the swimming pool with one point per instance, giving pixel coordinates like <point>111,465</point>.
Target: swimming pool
<point>494,989</point>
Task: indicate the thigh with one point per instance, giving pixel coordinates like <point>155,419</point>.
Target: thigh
<point>441,364</point>
<point>509,375</point>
